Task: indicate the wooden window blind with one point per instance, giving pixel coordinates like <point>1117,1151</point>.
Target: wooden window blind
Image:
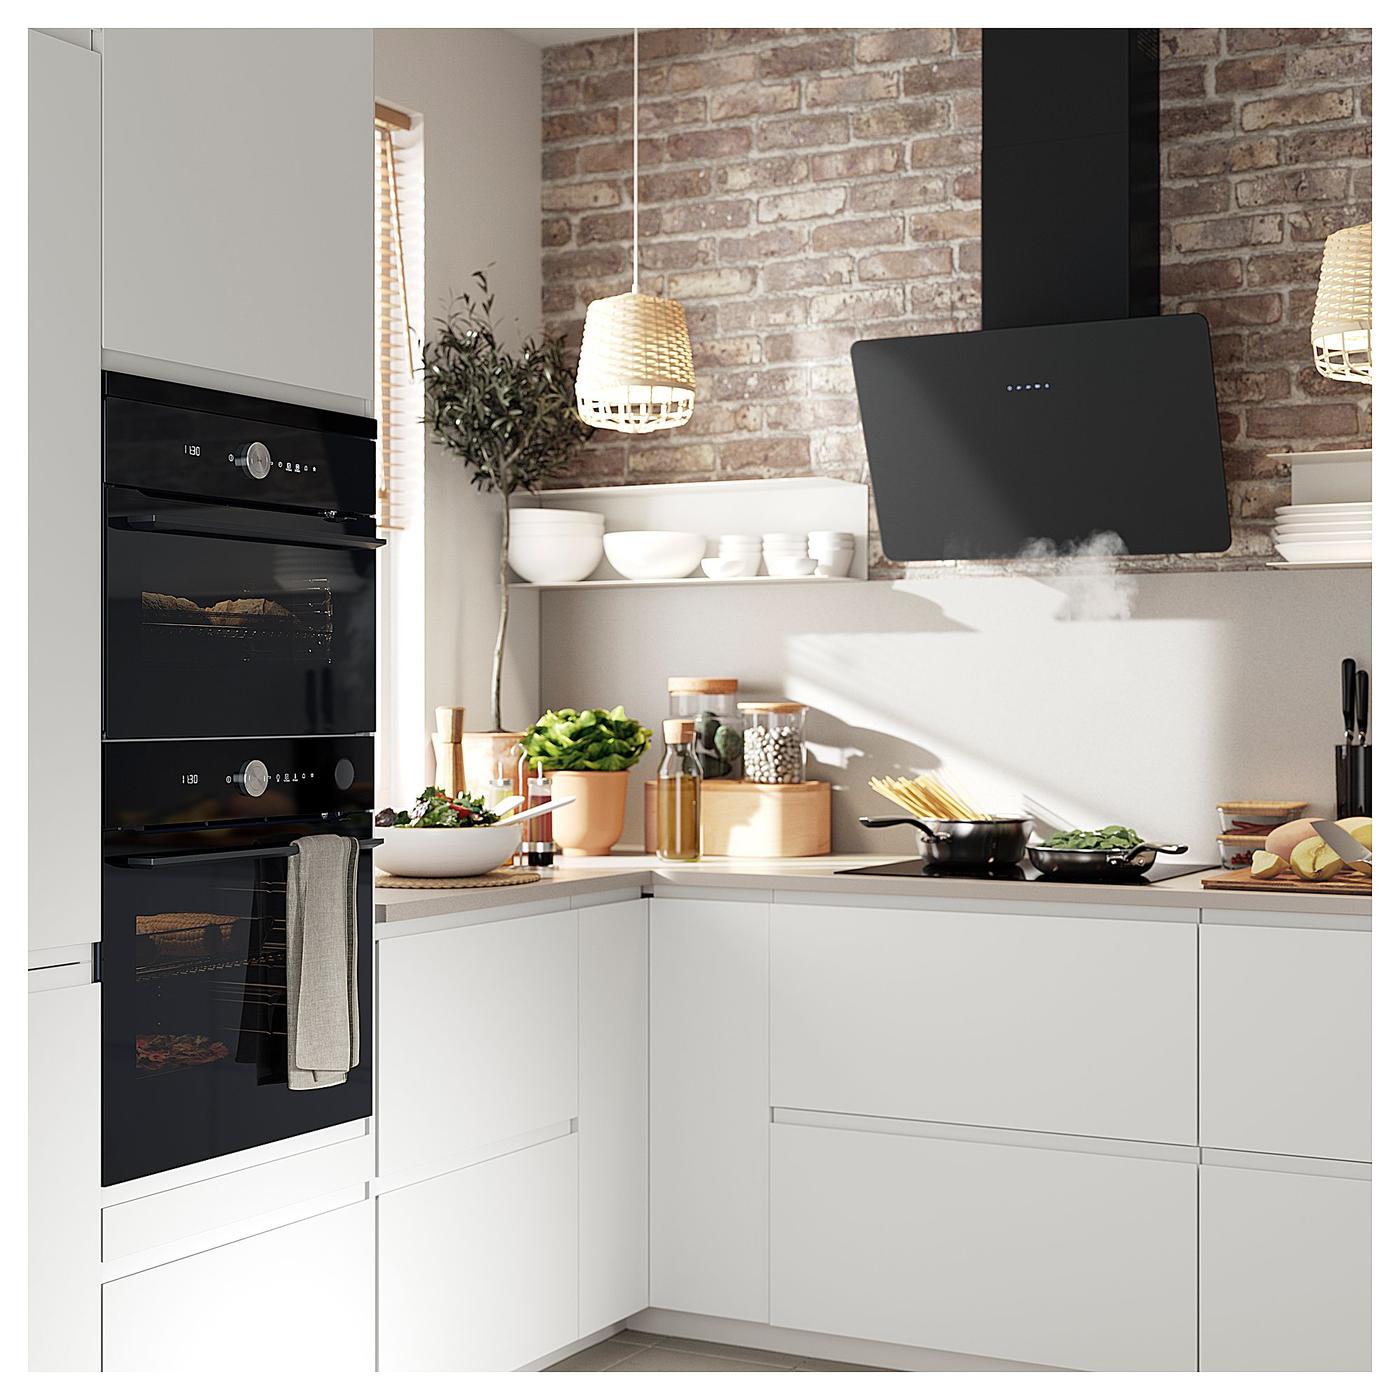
<point>399,295</point>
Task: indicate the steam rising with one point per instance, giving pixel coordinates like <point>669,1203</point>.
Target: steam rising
<point>1086,572</point>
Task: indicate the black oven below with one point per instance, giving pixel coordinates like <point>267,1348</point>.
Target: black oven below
<point>194,946</point>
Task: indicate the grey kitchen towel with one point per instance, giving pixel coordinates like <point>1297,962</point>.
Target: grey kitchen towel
<point>323,1004</point>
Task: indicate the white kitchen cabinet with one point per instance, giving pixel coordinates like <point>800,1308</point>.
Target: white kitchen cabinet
<point>709,1107</point>
<point>238,202</point>
<point>1286,1040</point>
<point>612,1113</point>
<point>65,1149</point>
<point>1063,1258</point>
<point>1026,1021</point>
<point>64,366</point>
<point>299,1299</point>
<point>478,1269</point>
<point>477,1039</point>
<point>1285,1271</point>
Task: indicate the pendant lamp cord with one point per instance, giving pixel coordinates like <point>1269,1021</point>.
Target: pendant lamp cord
<point>636,193</point>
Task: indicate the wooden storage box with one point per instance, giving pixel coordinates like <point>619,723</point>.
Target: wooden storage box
<point>757,820</point>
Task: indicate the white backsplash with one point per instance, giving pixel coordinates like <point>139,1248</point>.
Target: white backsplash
<point>1028,690</point>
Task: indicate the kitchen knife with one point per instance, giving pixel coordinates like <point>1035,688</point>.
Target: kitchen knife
<point>1363,705</point>
<point>1345,844</point>
<point>1349,698</point>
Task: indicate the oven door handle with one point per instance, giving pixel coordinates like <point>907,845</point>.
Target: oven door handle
<point>208,857</point>
<point>162,525</point>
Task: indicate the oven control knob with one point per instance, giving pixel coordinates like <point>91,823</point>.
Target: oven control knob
<point>255,460</point>
<point>252,778</point>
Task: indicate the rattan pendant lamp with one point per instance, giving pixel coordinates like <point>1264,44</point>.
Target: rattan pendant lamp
<point>1341,328</point>
<point>635,372</point>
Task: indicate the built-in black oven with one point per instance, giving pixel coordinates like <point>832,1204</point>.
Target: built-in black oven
<point>239,565</point>
<point>196,839</point>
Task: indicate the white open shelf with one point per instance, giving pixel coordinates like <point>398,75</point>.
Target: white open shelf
<point>714,508</point>
<point>1327,478</point>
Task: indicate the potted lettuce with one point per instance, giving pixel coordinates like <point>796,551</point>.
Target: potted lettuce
<point>588,754</point>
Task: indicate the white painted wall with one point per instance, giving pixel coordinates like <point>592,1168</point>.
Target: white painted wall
<point>1219,685</point>
<point>478,91</point>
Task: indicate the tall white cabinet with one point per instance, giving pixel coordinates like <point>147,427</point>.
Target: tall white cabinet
<point>237,202</point>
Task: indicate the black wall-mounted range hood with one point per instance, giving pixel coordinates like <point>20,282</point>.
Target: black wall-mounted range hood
<point>1077,411</point>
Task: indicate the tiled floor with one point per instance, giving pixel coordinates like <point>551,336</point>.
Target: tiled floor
<point>640,1351</point>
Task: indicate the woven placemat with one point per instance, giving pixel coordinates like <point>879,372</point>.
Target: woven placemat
<point>493,879</point>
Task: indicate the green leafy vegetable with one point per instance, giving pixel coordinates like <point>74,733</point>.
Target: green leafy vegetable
<point>435,808</point>
<point>1106,838</point>
<point>589,741</point>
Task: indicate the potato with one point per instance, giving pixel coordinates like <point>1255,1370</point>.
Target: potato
<point>1314,859</point>
<point>1282,839</point>
<point>1359,827</point>
<point>1267,866</point>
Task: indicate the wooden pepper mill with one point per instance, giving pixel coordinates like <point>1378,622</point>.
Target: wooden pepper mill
<point>451,774</point>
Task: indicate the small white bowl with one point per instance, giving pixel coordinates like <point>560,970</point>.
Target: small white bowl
<point>445,852</point>
<point>835,566</point>
<point>741,541</point>
<point>1341,552</point>
<point>724,568</point>
<point>554,558</point>
<point>654,554</point>
<point>790,566</point>
<point>555,522</point>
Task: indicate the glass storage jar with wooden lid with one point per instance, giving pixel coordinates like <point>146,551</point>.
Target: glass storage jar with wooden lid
<point>774,741</point>
<point>709,702</point>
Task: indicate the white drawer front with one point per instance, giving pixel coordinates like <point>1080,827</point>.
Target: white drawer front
<point>1285,1271</point>
<point>1286,1041</point>
<point>1026,1254</point>
<point>477,1038</point>
<point>149,1222</point>
<point>315,1280</point>
<point>478,1269</point>
<point>1013,1021</point>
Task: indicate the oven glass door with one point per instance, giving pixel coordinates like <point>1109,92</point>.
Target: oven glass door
<point>194,1014</point>
<point>211,634</point>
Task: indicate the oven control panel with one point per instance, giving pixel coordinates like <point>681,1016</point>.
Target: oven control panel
<point>214,781</point>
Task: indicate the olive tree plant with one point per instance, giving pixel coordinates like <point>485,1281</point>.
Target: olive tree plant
<point>509,414</point>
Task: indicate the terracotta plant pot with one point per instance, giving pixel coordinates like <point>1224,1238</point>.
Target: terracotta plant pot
<point>485,754</point>
<point>592,825</point>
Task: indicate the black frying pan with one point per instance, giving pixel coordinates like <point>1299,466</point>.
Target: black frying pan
<point>1099,865</point>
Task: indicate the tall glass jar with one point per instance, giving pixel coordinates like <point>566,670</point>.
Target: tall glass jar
<point>678,794</point>
<point>774,746</point>
<point>709,702</point>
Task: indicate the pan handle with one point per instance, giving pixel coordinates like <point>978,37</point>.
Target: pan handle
<point>1129,856</point>
<point>907,821</point>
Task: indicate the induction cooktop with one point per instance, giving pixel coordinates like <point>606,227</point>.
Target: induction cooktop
<point>1162,870</point>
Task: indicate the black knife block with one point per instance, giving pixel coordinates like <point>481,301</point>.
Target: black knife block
<point>1353,767</point>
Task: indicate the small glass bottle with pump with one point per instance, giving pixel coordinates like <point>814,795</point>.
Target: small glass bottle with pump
<point>539,832</point>
<point>678,794</point>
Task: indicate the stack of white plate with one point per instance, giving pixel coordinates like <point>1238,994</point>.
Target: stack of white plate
<point>1338,533</point>
<point>555,546</point>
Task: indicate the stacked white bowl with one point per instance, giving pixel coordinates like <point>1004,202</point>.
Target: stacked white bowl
<point>738,557</point>
<point>1336,533</point>
<point>785,555</point>
<point>555,546</point>
<point>834,551</point>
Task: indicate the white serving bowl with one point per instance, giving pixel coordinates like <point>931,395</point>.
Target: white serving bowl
<point>554,558</point>
<point>1326,507</point>
<point>1325,522</point>
<point>1320,532</point>
<point>1342,552</point>
<point>654,554</point>
<point>790,566</point>
<point>555,522</point>
<point>445,852</point>
<point>725,568</point>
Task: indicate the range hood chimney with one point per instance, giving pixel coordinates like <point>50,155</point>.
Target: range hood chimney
<point>1070,202</point>
<point>1078,413</point>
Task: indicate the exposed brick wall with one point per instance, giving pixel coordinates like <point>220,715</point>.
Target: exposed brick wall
<point>802,189</point>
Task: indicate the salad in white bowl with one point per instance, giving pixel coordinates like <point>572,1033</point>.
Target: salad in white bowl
<point>442,837</point>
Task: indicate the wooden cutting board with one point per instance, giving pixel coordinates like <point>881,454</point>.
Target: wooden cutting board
<point>1348,882</point>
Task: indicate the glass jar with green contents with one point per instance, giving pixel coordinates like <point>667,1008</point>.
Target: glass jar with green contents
<point>678,794</point>
<point>709,701</point>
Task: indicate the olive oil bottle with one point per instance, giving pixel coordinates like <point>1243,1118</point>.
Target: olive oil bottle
<point>678,794</point>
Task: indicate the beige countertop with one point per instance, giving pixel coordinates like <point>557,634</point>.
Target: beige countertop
<point>590,876</point>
